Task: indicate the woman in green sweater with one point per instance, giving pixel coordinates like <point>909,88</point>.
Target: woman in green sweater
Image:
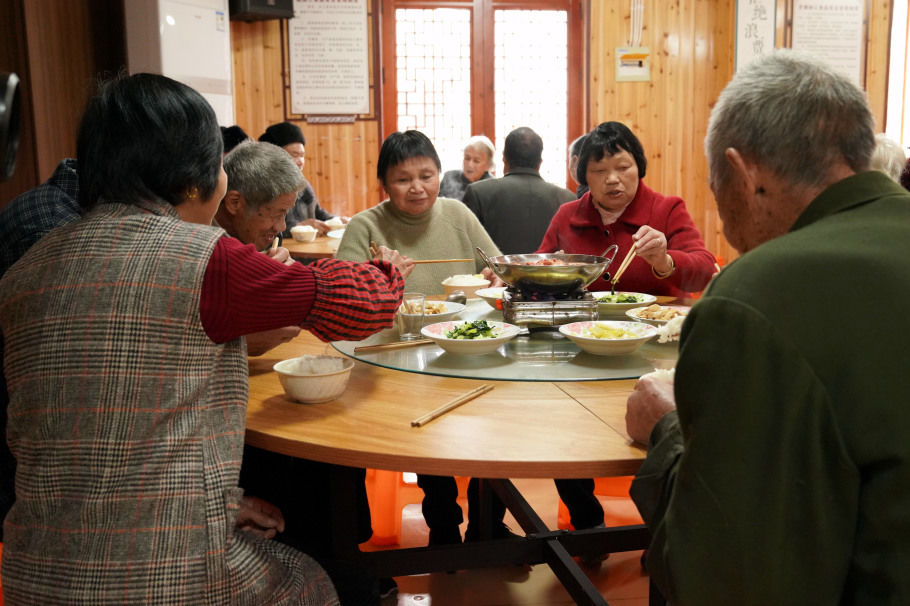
<point>414,220</point>
<point>418,224</point>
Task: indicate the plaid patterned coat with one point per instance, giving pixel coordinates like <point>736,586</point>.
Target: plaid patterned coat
<point>127,422</point>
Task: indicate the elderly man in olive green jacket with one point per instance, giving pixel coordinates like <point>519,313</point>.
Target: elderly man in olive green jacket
<point>778,469</point>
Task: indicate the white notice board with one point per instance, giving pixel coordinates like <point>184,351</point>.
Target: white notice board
<point>755,30</point>
<point>831,31</point>
<point>329,57</point>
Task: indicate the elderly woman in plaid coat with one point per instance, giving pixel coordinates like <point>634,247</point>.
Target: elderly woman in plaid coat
<point>128,378</point>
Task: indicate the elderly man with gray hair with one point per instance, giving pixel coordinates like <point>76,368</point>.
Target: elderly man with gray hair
<point>778,468</point>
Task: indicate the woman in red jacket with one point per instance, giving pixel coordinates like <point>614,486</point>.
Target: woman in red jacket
<point>671,258</point>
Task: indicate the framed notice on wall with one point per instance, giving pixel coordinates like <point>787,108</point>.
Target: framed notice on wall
<point>832,31</point>
<point>755,30</point>
<point>328,52</point>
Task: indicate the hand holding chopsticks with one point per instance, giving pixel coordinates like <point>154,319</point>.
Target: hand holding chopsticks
<point>419,422</point>
<point>622,266</point>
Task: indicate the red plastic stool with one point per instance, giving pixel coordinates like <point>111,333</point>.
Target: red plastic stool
<point>388,493</point>
<point>619,510</point>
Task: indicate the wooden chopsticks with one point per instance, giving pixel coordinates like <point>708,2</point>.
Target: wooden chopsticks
<point>374,252</point>
<point>393,345</point>
<point>419,422</point>
<point>625,263</point>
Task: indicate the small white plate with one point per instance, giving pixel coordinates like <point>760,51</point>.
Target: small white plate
<point>493,296</point>
<point>578,333</point>
<point>475,347</point>
<point>635,313</point>
<point>336,233</point>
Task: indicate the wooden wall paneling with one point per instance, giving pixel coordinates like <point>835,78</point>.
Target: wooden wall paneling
<point>877,58</point>
<point>258,78</point>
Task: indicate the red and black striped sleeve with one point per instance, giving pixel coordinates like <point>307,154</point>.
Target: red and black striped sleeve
<point>245,291</point>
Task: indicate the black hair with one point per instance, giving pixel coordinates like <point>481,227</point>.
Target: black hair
<point>401,146</point>
<point>144,137</point>
<point>523,148</point>
<point>283,133</point>
<point>609,138</point>
<point>232,137</point>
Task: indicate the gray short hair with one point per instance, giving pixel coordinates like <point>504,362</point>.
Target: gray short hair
<point>482,142</point>
<point>793,115</point>
<point>888,156</point>
<point>261,172</point>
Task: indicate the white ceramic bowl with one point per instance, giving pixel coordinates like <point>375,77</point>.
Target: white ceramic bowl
<point>475,347</point>
<point>305,382</point>
<point>493,296</point>
<point>452,309</point>
<point>578,332</point>
<point>303,233</point>
<point>617,310</point>
<point>635,314</point>
<point>468,285</point>
<point>335,222</point>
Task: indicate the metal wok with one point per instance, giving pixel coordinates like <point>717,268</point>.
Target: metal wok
<point>515,271</point>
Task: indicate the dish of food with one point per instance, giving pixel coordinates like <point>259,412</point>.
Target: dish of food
<point>469,338</point>
<point>657,314</point>
<point>609,338</point>
<point>436,311</point>
<point>493,296</point>
<point>469,284</point>
<point>615,304</point>
<point>552,261</point>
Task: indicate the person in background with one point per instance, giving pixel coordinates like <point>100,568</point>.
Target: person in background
<point>421,225</point>
<point>888,156</point>
<point>232,136</point>
<point>476,166</point>
<point>574,152</point>
<point>306,209</point>
<point>670,257</point>
<point>24,221</point>
<point>778,467</point>
<point>516,210</point>
<point>127,372</point>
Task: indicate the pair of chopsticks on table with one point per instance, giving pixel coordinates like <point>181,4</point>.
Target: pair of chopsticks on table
<point>374,252</point>
<point>451,405</point>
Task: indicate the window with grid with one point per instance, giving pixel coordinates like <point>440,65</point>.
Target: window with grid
<point>457,68</point>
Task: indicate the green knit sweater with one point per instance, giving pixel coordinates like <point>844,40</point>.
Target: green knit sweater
<point>449,230</point>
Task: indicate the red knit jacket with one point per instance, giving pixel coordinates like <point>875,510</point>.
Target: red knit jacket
<point>577,228</point>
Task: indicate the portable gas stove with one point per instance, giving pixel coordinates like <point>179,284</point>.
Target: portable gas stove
<point>541,310</point>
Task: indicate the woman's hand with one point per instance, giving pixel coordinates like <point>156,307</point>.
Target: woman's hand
<point>280,254</point>
<point>651,245</point>
<point>490,275</point>
<point>260,517</point>
<point>404,264</point>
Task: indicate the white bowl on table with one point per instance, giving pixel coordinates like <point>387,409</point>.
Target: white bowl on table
<point>493,296</point>
<point>469,284</point>
<point>314,379</point>
<point>304,233</point>
<point>613,309</point>
<point>579,333</point>
<point>476,347</point>
<point>450,310</point>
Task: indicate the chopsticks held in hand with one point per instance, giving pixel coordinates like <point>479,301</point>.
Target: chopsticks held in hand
<point>420,422</point>
<point>625,263</point>
<point>374,252</point>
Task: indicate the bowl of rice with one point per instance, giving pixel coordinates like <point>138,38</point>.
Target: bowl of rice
<point>609,337</point>
<point>314,379</point>
<point>469,284</point>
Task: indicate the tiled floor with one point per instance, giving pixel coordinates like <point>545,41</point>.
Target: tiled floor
<point>620,578</point>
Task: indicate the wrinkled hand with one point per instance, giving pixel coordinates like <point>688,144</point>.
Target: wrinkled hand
<point>259,517</point>
<point>260,342</point>
<point>490,275</point>
<point>404,264</point>
<point>651,245</point>
<point>320,226</point>
<point>280,254</point>
<point>651,399</point>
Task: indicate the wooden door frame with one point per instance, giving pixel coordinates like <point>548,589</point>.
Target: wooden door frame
<point>482,79</point>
